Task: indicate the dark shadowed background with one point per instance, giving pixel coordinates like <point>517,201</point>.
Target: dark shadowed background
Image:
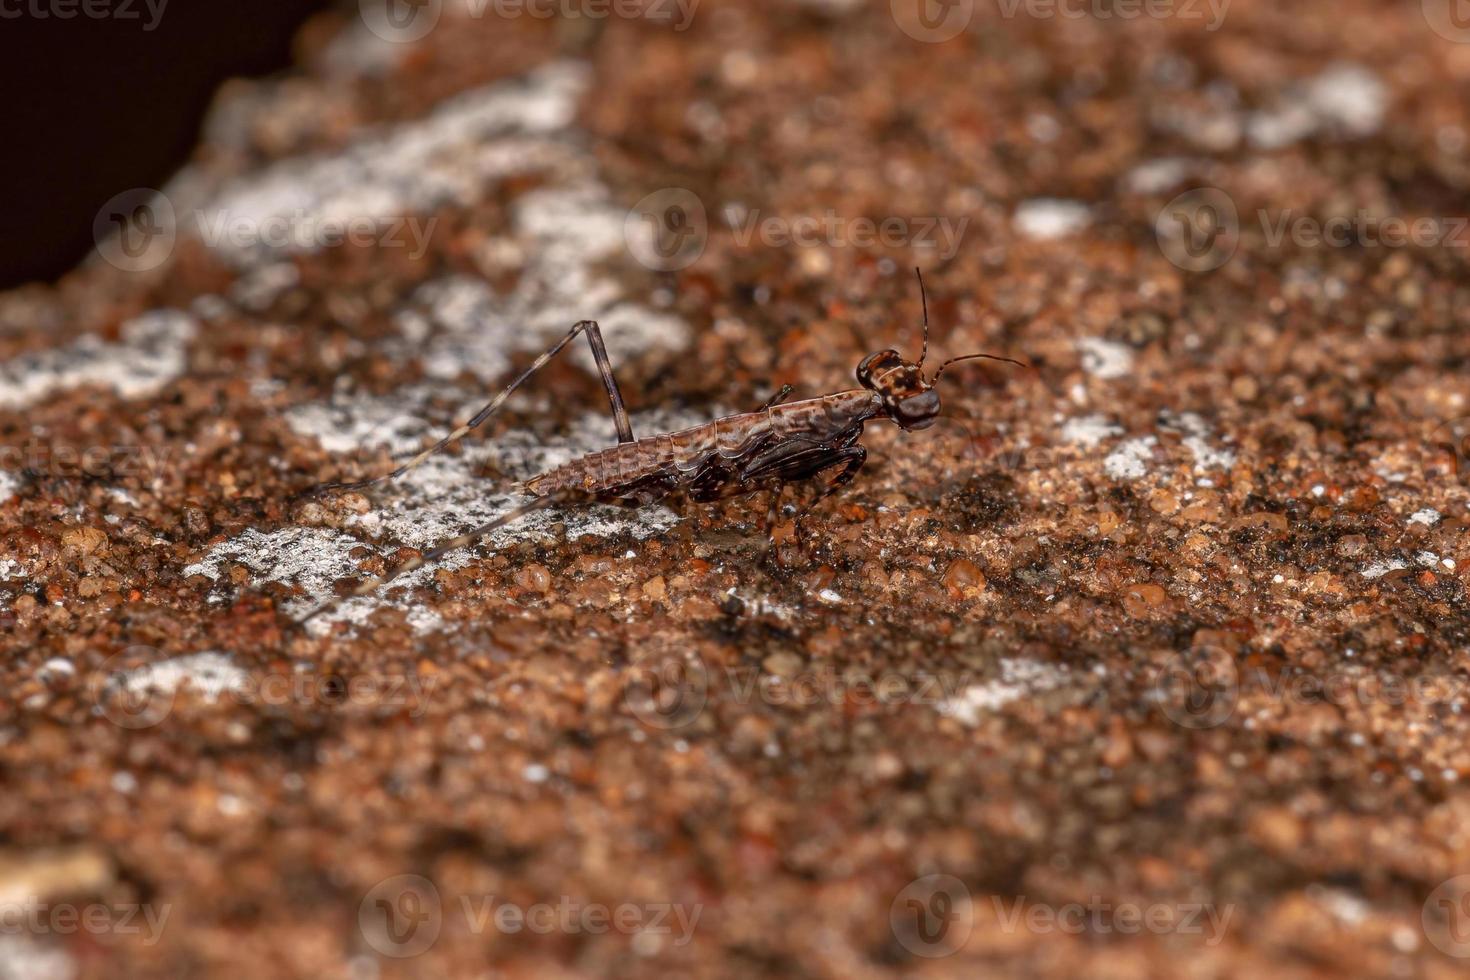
<point>98,105</point>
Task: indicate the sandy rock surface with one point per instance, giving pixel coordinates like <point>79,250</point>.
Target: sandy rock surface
<point>1150,662</point>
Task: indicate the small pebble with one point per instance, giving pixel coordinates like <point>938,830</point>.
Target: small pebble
<point>962,576</point>
<point>655,589</point>
<point>534,577</point>
<point>1144,600</point>
<point>84,539</point>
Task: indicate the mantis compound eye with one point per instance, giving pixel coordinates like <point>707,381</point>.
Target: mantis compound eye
<point>916,411</point>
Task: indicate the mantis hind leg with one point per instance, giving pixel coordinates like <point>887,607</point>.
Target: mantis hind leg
<point>604,370</point>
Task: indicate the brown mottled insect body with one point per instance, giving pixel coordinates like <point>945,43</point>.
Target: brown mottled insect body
<point>781,443</point>
<point>721,458</point>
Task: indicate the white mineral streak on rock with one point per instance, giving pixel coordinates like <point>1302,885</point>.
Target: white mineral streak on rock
<point>441,499</point>
<point>1089,430</point>
<point>1018,679</point>
<point>1197,441</point>
<point>1130,460</point>
<point>453,156</point>
<point>565,233</point>
<point>210,673</point>
<point>151,353</point>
